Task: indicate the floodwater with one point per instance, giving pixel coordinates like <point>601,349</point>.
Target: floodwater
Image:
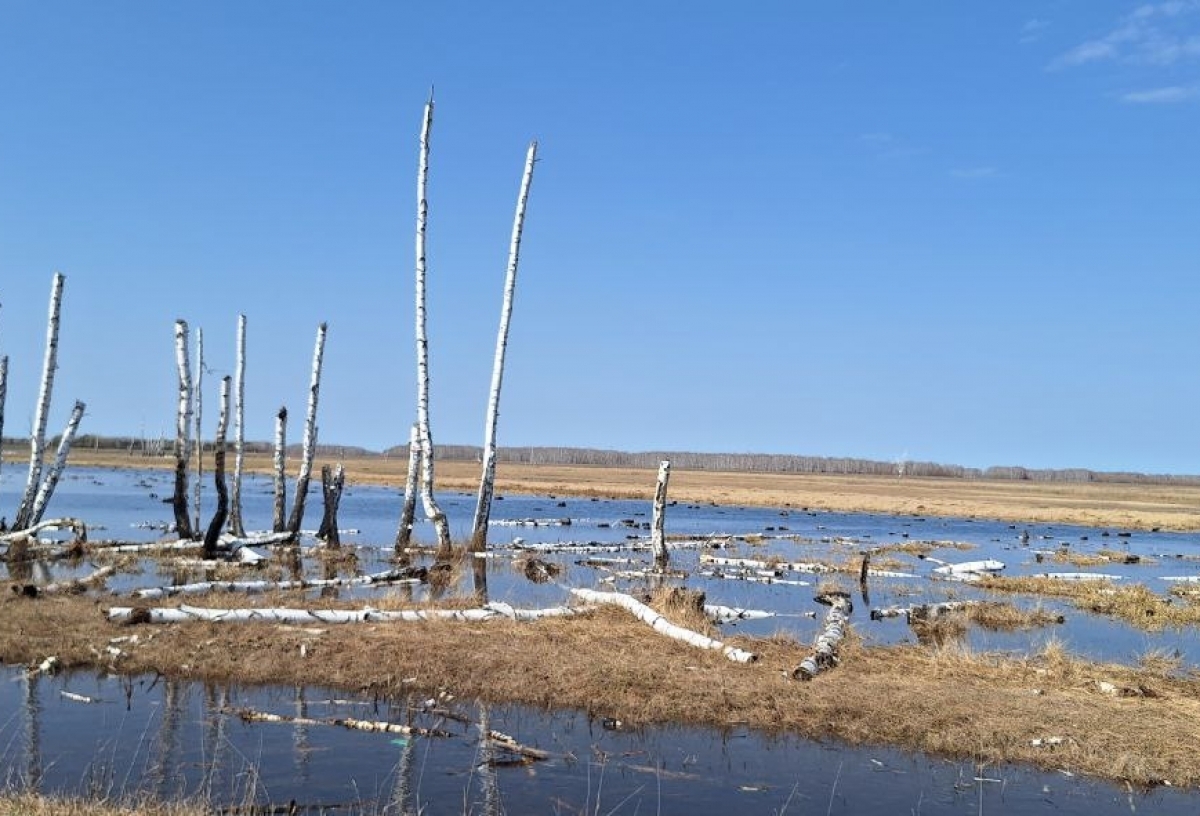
<point>172,738</point>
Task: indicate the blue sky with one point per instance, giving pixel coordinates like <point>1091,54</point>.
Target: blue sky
<point>963,233</point>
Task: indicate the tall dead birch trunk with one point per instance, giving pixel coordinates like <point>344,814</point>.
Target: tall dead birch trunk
<point>197,426</point>
<point>213,534</point>
<point>483,507</point>
<point>3,399</point>
<point>280,470</point>
<point>179,501</point>
<point>310,436</point>
<point>432,511</point>
<point>37,439</point>
<point>409,511</point>
<point>333,479</point>
<point>46,489</point>
<point>236,525</point>
<point>658,539</point>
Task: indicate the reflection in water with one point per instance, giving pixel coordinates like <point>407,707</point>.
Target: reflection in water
<point>486,767</point>
<point>480,570</point>
<point>300,736</point>
<point>33,730</point>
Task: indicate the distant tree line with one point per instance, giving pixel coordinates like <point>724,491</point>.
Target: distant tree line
<point>681,460</point>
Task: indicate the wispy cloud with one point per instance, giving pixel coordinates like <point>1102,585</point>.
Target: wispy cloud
<point>1033,30</point>
<point>973,173</point>
<point>1160,96</point>
<point>887,146</point>
<point>1154,34</point>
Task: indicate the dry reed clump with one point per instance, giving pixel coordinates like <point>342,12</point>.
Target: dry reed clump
<point>29,804</point>
<point>1134,603</point>
<point>1066,555</point>
<point>924,547</point>
<point>1005,617</point>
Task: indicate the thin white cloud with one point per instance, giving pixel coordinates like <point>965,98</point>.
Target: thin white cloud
<point>1154,34</point>
<point>1033,30</point>
<point>1160,96</point>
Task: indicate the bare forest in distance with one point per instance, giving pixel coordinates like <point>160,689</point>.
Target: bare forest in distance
<point>722,462</point>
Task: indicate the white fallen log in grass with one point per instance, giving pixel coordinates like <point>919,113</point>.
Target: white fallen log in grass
<point>727,614</point>
<point>753,577</point>
<point>966,570</point>
<point>810,567</point>
<point>825,648</point>
<point>249,715</point>
<point>310,616</point>
<point>919,611</point>
<point>1078,576</point>
<point>387,578</point>
<point>662,625</point>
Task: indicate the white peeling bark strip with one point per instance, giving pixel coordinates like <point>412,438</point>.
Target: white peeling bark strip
<point>46,490</point>
<point>286,615</point>
<point>662,625</point>
<point>37,439</point>
<point>483,507</point>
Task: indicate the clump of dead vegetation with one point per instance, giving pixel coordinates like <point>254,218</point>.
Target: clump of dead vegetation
<point>1134,603</point>
<point>29,804</point>
<point>1077,558</point>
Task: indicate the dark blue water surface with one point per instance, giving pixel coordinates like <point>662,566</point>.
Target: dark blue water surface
<point>174,738</point>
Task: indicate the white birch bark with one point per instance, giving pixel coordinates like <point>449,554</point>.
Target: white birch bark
<point>197,426</point>
<point>236,525</point>
<point>409,510</point>
<point>728,614</point>
<point>658,539</point>
<point>183,523</point>
<point>46,489</point>
<point>310,435</point>
<point>483,506</point>
<point>309,616</point>
<point>808,567</point>
<point>825,648</point>
<point>387,578</point>
<point>662,625</point>
<point>249,715</point>
<point>95,578</point>
<point>280,464</point>
<point>74,525</point>
<point>433,513</point>
<point>3,399</point>
<point>37,439</point>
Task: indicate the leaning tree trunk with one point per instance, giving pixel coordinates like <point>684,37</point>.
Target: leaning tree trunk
<point>432,511</point>
<point>179,501</point>
<point>37,440</point>
<point>310,436</point>
<point>213,534</point>
<point>197,426</point>
<point>483,507</point>
<point>658,539</point>
<point>3,398</point>
<point>46,489</point>
<point>236,526</point>
<point>280,473</point>
<point>404,534</point>
<point>332,482</point>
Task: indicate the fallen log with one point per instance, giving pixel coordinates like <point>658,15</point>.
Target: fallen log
<point>727,614</point>
<point>387,578</point>
<point>74,525</point>
<point>141,614</point>
<point>919,611</point>
<point>72,587</point>
<point>751,563</point>
<point>825,648</point>
<point>249,715</point>
<point>662,625</point>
